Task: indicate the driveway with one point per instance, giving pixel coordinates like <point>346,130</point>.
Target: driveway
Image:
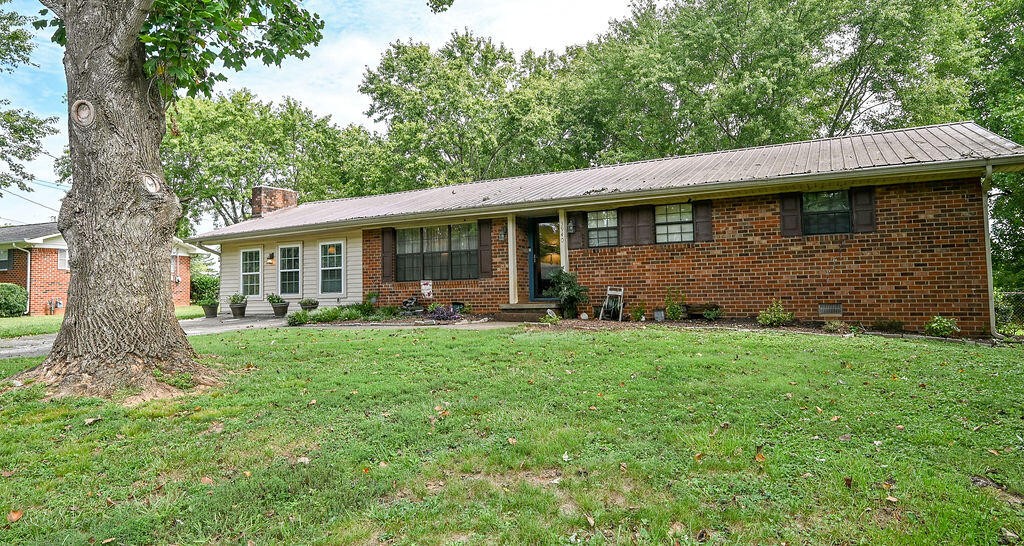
<point>40,345</point>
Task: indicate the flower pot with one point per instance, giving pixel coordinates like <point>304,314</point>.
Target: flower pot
<point>237,310</point>
<point>211,310</point>
<point>309,306</point>
<point>280,309</point>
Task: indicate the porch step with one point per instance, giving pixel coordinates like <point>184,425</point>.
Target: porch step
<point>525,312</point>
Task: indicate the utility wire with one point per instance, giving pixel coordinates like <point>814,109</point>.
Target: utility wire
<point>9,192</point>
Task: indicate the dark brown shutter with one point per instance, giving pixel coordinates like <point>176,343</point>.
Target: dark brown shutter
<point>486,266</point>
<point>626,218</point>
<point>789,206</point>
<point>703,230</point>
<point>645,225</point>
<point>863,212</point>
<point>578,238</point>
<point>387,255</point>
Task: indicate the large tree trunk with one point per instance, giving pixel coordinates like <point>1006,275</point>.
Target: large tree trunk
<point>118,218</point>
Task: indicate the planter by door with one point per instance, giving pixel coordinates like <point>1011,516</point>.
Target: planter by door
<point>280,309</point>
<point>211,310</point>
<point>238,310</point>
<point>309,306</point>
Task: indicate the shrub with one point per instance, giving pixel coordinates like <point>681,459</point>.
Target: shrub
<point>675,304</point>
<point>298,318</point>
<point>274,298</point>
<point>550,319</point>
<point>385,313</point>
<point>309,301</point>
<point>204,287</point>
<point>889,326</point>
<point>637,312</point>
<point>434,306</point>
<point>566,287</point>
<point>208,302</point>
<point>443,312</point>
<point>713,313</point>
<point>836,327</point>
<point>775,315</point>
<point>237,298</point>
<point>13,299</point>
<point>940,326</point>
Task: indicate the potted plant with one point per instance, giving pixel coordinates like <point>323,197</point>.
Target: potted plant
<point>308,304</point>
<point>237,303</point>
<point>210,307</point>
<point>280,306</point>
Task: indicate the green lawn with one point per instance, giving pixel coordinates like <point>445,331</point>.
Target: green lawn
<point>533,436</point>
<point>48,324</point>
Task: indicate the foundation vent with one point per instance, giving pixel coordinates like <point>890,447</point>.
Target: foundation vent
<point>830,309</point>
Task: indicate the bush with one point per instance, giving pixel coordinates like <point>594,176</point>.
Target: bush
<point>637,312</point>
<point>836,327</point>
<point>207,302</point>
<point>442,312</point>
<point>13,300</point>
<point>567,289</point>
<point>940,326</point>
<point>204,287</point>
<point>889,326</point>
<point>675,304</point>
<point>298,318</point>
<point>550,319</point>
<point>713,313</point>
<point>775,315</point>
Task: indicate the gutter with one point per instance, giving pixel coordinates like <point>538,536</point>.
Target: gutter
<point>28,276</point>
<point>986,185</point>
<point>763,185</point>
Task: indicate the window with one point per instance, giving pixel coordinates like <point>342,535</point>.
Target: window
<point>602,228</point>
<point>673,223</point>
<point>332,268</point>
<point>62,259</point>
<point>174,266</point>
<point>437,253</point>
<point>826,212</point>
<point>5,259</point>
<point>252,272</point>
<point>288,271</point>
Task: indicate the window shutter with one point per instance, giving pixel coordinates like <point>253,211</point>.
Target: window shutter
<point>789,207</point>
<point>578,239</point>
<point>703,230</point>
<point>387,255</point>
<point>645,225</point>
<point>626,217</point>
<point>486,267</point>
<point>863,210</point>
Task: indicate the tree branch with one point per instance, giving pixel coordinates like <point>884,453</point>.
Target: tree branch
<point>126,32</point>
<point>58,7</point>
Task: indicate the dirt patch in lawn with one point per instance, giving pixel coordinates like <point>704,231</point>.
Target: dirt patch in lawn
<point>999,491</point>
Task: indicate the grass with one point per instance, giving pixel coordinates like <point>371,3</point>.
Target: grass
<point>49,324</point>
<point>533,436</point>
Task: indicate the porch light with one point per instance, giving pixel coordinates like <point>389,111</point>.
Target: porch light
<point>270,259</point>
<point>571,225</point>
<point>332,250</point>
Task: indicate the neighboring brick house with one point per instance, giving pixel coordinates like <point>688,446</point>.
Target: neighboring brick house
<point>881,226</point>
<point>35,256</point>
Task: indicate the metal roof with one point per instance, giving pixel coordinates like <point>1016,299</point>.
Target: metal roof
<point>949,145</point>
<point>20,234</point>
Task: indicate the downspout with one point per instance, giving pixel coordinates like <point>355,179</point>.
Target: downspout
<point>986,185</point>
<point>28,276</point>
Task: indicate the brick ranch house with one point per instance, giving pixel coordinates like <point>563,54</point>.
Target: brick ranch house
<point>883,226</point>
<point>35,257</point>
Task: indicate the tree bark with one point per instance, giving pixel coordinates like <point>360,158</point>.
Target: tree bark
<point>118,219</point>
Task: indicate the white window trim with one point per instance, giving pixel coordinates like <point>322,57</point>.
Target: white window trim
<point>344,267</point>
<point>67,259</point>
<point>289,245</point>
<point>241,272</point>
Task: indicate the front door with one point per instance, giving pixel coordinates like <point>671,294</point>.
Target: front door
<point>545,256</point>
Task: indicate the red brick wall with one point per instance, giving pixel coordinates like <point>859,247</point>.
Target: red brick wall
<point>485,295</point>
<point>182,290</point>
<point>267,199</point>
<point>927,257</point>
<point>48,282</point>
<point>16,273</point>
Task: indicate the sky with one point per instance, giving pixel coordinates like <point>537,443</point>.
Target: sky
<point>355,36</point>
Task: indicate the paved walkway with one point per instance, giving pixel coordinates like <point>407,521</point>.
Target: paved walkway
<point>40,345</point>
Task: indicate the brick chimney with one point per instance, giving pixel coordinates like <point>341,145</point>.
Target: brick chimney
<point>266,199</point>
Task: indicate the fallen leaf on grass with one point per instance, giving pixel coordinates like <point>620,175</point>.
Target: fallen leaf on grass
<point>590,520</point>
<point>312,402</point>
<point>247,474</point>
<point>891,498</point>
<point>92,420</point>
<point>835,418</point>
<point>302,460</point>
<point>759,456</point>
<point>622,467</point>
<point>15,515</point>
<point>107,541</point>
<point>566,457</point>
<point>512,441</point>
<point>900,428</point>
<point>206,480</point>
<point>845,438</point>
<point>698,456</point>
<point>703,535</point>
<point>7,473</point>
<point>992,451</point>
<point>848,482</point>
